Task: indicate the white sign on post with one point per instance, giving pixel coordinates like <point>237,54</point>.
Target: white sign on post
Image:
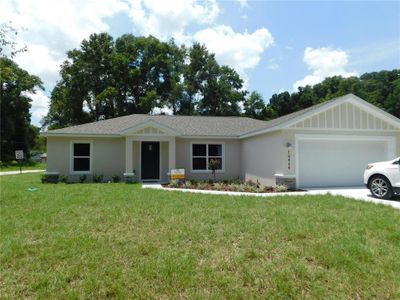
<point>177,174</point>
<point>19,154</point>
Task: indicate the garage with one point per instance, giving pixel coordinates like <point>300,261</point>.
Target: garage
<point>329,161</point>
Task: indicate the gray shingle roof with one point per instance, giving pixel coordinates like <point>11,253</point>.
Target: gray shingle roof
<point>184,125</point>
<point>188,125</point>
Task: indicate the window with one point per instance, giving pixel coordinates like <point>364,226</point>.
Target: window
<point>202,154</point>
<point>81,158</point>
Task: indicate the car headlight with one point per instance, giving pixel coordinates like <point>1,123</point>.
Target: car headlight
<point>369,167</point>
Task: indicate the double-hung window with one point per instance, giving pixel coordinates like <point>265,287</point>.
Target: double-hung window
<point>203,154</point>
<point>81,157</point>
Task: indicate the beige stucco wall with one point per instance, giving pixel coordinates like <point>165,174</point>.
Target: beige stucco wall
<point>108,156</point>
<point>232,158</point>
<point>263,156</point>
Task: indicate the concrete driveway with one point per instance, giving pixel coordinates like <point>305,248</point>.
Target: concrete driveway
<point>358,193</point>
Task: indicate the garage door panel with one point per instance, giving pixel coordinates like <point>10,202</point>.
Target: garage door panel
<point>324,163</point>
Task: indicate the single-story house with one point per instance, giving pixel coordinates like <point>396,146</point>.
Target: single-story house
<point>328,144</point>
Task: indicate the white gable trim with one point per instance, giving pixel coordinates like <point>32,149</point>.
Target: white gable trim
<point>352,99</point>
<point>150,123</point>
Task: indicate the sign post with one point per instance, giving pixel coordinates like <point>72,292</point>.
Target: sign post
<point>19,156</point>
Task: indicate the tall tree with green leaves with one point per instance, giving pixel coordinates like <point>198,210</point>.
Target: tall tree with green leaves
<point>254,106</point>
<point>16,131</point>
<point>378,88</point>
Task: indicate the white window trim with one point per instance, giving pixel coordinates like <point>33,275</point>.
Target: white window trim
<point>207,156</point>
<point>71,157</point>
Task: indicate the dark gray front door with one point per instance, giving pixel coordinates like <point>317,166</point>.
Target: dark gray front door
<point>150,160</point>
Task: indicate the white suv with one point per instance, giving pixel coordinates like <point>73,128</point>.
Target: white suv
<point>383,178</point>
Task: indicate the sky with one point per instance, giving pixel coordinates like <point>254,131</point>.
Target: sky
<point>274,45</point>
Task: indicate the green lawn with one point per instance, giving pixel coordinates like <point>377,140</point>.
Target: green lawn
<point>15,167</point>
<point>119,241</point>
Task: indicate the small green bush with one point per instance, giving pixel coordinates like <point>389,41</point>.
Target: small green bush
<point>202,185</point>
<point>281,188</point>
<point>82,178</point>
<point>63,178</point>
<point>187,184</point>
<point>219,186</point>
<point>49,178</point>
<point>97,178</point>
<point>116,178</point>
<point>174,183</point>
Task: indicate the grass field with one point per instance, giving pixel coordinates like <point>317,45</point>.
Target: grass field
<point>120,241</point>
<point>15,167</point>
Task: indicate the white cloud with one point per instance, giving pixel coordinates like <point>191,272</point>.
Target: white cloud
<point>51,28</point>
<point>241,51</point>
<point>165,20</point>
<point>242,3</point>
<point>324,62</point>
<point>40,106</point>
<point>163,110</point>
<point>273,66</point>
<point>41,61</point>
<point>54,27</point>
<point>159,18</point>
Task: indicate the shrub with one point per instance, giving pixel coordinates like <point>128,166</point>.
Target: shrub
<point>82,178</point>
<point>250,183</point>
<point>214,165</point>
<point>187,184</point>
<point>174,183</point>
<point>46,178</point>
<point>116,178</point>
<point>202,185</point>
<point>97,178</point>
<point>281,188</point>
<point>219,186</point>
<point>63,178</point>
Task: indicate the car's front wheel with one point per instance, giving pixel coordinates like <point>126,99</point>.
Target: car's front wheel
<point>381,188</point>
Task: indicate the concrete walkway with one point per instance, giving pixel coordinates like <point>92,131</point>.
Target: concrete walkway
<point>17,172</point>
<point>357,193</point>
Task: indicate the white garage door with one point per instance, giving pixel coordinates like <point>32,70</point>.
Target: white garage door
<point>340,162</point>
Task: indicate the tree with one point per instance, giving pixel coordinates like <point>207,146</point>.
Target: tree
<point>15,86</point>
<point>105,79</point>
<point>254,106</point>
<point>379,88</point>
<point>8,47</point>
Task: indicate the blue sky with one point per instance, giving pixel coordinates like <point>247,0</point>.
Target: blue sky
<point>274,45</point>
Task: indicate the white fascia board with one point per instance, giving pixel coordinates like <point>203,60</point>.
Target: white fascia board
<point>262,131</point>
<point>209,137</point>
<point>50,134</point>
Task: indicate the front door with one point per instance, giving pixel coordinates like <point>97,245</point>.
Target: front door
<point>150,160</point>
